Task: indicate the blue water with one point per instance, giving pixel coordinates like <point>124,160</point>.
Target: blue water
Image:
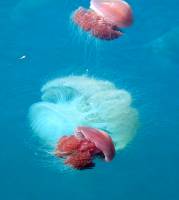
<point>144,61</point>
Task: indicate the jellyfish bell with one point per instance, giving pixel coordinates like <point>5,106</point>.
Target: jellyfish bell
<point>82,118</point>
<point>104,18</point>
<point>117,12</point>
<point>100,138</point>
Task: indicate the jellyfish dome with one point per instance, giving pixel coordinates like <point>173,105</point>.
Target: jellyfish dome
<point>83,118</point>
<point>104,18</point>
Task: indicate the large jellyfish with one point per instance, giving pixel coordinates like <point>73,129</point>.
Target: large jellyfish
<point>83,118</point>
<point>104,18</point>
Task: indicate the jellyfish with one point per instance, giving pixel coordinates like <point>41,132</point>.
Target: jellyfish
<point>82,119</point>
<point>105,18</point>
<point>86,143</point>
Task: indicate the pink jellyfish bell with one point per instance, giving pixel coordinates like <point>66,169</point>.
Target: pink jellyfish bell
<point>104,18</point>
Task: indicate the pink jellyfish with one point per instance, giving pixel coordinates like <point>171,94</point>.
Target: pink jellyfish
<point>104,18</point>
<point>80,148</point>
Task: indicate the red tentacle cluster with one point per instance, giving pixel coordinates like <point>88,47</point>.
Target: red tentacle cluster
<point>77,152</point>
<point>88,20</point>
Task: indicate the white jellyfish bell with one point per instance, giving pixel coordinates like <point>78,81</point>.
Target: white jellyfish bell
<point>73,101</point>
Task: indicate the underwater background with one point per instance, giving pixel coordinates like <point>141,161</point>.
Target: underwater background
<point>38,42</point>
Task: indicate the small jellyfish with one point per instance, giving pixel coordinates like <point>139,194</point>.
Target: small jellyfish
<point>105,18</point>
<point>80,148</point>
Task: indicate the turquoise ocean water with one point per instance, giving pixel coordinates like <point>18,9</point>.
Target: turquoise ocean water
<point>38,42</point>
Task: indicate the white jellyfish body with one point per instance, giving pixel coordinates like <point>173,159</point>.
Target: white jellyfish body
<point>73,101</point>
